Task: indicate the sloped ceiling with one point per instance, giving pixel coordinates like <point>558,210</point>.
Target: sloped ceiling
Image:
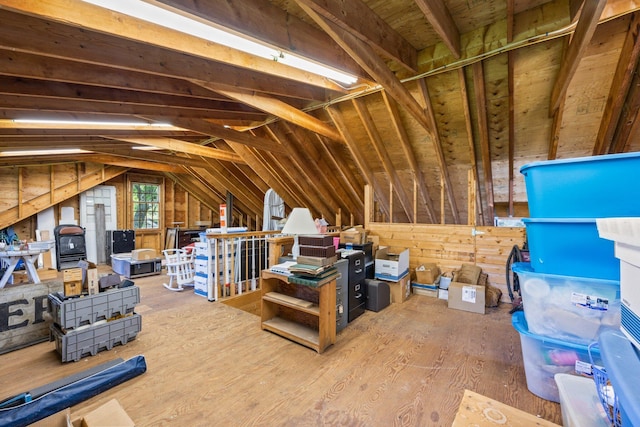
<point>453,97</point>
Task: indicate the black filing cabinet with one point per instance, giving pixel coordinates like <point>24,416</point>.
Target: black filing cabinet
<point>357,289</point>
<point>369,260</point>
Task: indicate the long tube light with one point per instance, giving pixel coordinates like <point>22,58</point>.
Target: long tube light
<point>157,15</point>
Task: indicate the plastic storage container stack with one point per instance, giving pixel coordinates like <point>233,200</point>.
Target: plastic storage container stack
<point>87,325</point>
<point>571,289</point>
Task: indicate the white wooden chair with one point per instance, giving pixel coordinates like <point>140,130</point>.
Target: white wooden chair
<point>180,268</point>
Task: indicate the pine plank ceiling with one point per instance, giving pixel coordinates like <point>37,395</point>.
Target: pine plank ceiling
<point>454,96</point>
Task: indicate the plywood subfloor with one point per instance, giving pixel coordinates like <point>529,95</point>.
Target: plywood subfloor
<point>211,364</point>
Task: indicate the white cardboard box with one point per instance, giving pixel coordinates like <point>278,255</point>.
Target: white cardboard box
<point>391,263</point>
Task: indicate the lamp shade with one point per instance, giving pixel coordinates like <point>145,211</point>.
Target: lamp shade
<point>300,221</point>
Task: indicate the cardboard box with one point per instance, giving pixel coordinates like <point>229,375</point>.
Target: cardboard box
<point>143,254</point>
<point>400,290</point>
<point>425,290</point>
<point>443,294</point>
<point>47,274</point>
<point>72,275</point>
<point>355,235</point>
<point>466,297</point>
<point>108,415</point>
<point>89,277</point>
<point>73,288</point>
<point>427,273</point>
<point>391,263</point>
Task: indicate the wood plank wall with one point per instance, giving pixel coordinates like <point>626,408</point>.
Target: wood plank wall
<point>450,246</point>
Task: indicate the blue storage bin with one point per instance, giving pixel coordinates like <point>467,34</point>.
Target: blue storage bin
<point>622,363</point>
<point>573,309</point>
<point>584,187</point>
<point>570,247</point>
<point>544,357</point>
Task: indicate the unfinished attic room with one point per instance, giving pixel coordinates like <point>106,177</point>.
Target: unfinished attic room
<point>319,213</point>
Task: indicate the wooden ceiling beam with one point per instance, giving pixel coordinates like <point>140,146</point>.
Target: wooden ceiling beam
<point>409,155</point>
<point>314,155</point>
<point>440,19</point>
<point>587,23</point>
<point>483,133</point>
<point>172,159</point>
<point>627,130</point>
<point>263,21</point>
<point>229,135</point>
<point>278,109</point>
<point>184,147</point>
<point>378,145</point>
<point>25,65</point>
<point>357,18</point>
<point>80,92</point>
<point>466,109</point>
<point>125,163</point>
<point>304,171</point>
<point>358,158</point>
<point>622,78</point>
<point>371,63</point>
<point>95,18</point>
<point>49,104</point>
<point>112,51</point>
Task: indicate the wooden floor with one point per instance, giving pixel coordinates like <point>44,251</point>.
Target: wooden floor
<point>211,365</point>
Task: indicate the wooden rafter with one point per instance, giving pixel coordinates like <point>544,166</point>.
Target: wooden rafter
<point>126,163</point>
<point>371,63</point>
<point>229,135</point>
<point>383,156</point>
<point>365,171</point>
<point>70,43</point>
<point>472,151</point>
<point>263,21</point>
<point>278,109</point>
<point>624,74</point>
<point>357,18</point>
<point>403,137</point>
<point>304,170</point>
<point>627,129</point>
<point>483,133</point>
<point>88,16</point>
<point>585,28</point>
<point>440,19</point>
<point>185,147</point>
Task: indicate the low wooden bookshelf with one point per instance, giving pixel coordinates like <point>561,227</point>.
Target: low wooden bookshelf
<point>301,313</point>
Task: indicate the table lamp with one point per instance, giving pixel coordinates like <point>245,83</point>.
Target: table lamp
<point>299,222</point>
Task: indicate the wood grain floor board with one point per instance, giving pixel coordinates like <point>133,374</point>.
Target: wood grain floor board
<point>211,365</point>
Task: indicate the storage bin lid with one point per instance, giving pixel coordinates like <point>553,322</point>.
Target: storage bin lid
<point>622,362</point>
<point>520,324</point>
<point>525,268</point>
<point>588,159</point>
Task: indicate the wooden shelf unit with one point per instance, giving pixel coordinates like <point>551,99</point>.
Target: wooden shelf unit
<point>304,314</point>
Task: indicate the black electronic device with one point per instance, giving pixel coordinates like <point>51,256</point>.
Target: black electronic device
<point>120,242</point>
<point>378,294</point>
<point>70,245</point>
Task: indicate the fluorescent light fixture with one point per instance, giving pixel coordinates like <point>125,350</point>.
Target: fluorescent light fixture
<point>87,123</point>
<point>48,152</point>
<point>145,148</point>
<point>160,16</point>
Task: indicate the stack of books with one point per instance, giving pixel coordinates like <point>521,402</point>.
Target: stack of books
<point>314,265</point>
<point>310,275</point>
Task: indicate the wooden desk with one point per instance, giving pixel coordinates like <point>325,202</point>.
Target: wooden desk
<point>480,411</point>
<point>11,258</point>
<point>304,314</point>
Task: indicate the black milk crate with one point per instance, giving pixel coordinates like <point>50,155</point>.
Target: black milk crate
<point>88,341</point>
<point>315,240</point>
<point>72,313</point>
<point>318,251</point>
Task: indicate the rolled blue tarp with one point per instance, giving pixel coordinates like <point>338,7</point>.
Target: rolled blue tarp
<point>72,394</point>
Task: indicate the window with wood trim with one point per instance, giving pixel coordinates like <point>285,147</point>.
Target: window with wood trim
<point>146,205</point>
